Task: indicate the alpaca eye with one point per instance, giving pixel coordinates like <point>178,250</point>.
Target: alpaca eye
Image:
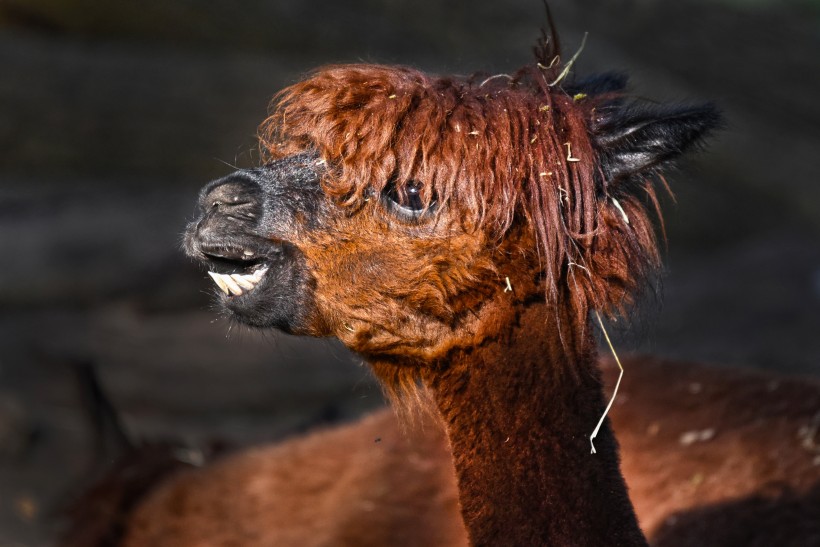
<point>408,202</point>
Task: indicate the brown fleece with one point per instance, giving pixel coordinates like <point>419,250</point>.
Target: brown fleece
<point>754,482</point>
<point>519,410</point>
<point>371,484</point>
<point>494,150</point>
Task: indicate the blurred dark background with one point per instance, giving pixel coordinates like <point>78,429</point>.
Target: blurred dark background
<point>112,114</point>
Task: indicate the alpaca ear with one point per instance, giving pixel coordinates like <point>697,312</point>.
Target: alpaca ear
<point>598,84</point>
<point>637,140</point>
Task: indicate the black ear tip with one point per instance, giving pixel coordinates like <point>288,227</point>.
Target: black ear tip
<point>641,137</point>
<point>697,122</point>
<point>708,117</point>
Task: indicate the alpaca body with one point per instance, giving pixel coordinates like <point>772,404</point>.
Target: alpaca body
<point>719,456</point>
<point>369,484</point>
<point>754,481</point>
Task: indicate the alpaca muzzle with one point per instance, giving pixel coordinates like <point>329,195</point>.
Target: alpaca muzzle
<point>259,275</point>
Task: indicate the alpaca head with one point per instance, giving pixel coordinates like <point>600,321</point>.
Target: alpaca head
<point>407,214</point>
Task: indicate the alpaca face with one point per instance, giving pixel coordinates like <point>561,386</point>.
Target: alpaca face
<point>408,215</point>
<point>399,276</point>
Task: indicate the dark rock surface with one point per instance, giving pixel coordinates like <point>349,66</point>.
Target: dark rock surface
<point>111,118</point>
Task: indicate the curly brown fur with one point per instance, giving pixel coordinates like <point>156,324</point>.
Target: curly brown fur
<point>495,151</point>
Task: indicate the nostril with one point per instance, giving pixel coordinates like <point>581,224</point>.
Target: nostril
<point>236,201</point>
<point>233,194</point>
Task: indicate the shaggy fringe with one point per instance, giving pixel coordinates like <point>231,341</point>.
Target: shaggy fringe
<point>496,149</point>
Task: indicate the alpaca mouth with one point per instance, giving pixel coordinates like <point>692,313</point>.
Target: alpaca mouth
<point>262,281</point>
<point>238,284</point>
<point>237,270</point>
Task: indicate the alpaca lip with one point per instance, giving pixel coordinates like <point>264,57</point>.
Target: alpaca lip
<point>236,258</point>
<point>231,253</point>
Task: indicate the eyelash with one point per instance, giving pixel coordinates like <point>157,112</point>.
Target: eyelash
<point>407,204</point>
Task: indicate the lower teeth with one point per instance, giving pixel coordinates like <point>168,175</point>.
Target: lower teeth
<point>234,284</point>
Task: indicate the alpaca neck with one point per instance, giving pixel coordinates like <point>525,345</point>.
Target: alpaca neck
<point>519,410</point>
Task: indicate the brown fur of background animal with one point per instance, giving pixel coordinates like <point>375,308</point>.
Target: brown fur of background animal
<point>122,473</point>
<point>752,482</point>
<point>101,515</point>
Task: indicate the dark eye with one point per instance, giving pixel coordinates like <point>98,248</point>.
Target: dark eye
<point>408,202</point>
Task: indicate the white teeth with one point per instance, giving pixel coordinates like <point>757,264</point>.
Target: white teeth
<point>218,280</point>
<point>258,274</point>
<point>247,253</point>
<point>243,281</point>
<point>234,283</point>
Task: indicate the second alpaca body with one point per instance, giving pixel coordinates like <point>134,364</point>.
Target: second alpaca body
<point>751,481</point>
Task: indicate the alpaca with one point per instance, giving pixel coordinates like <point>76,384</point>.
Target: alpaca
<point>459,234</point>
<point>394,210</point>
